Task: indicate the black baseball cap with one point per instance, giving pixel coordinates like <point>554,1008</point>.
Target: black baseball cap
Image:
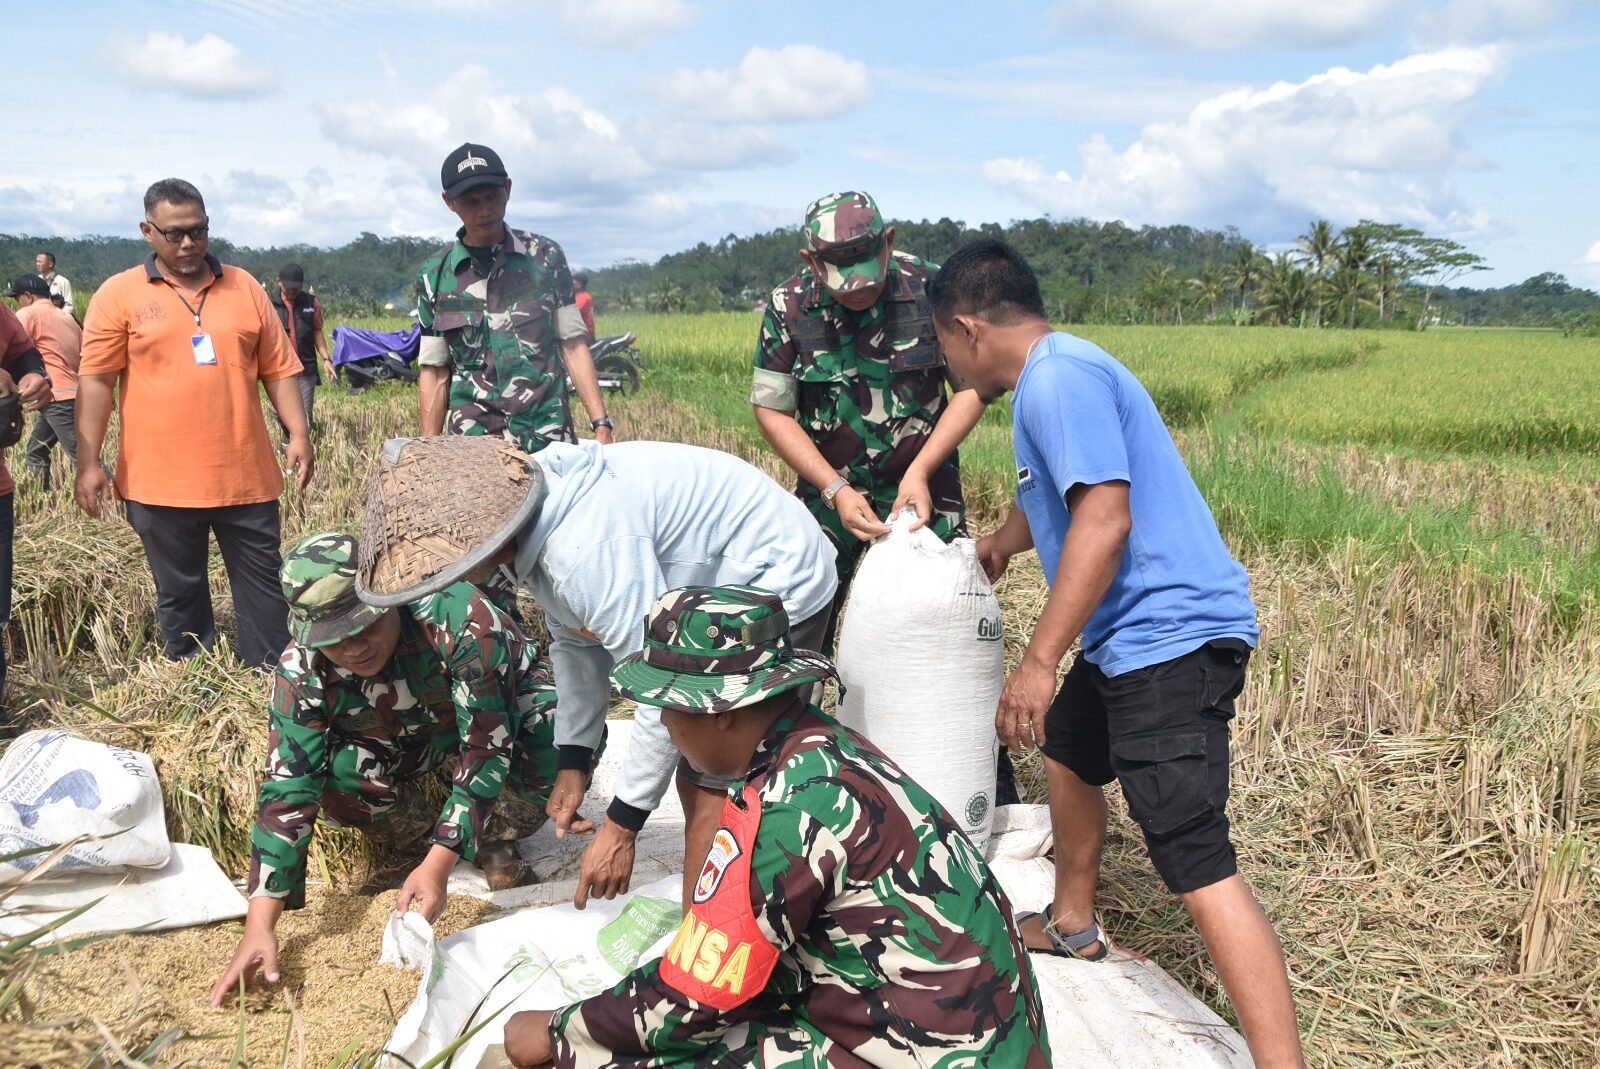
<point>292,275</point>
<point>469,167</point>
<point>34,284</point>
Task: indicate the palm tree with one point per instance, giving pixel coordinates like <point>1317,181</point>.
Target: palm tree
<point>1318,244</point>
<point>1351,285</point>
<point>1209,288</point>
<point>1161,290</point>
<point>1286,289</point>
<point>1248,264</point>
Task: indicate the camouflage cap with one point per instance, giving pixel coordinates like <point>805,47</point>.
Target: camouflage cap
<point>319,583</point>
<point>708,649</point>
<point>437,509</point>
<point>845,233</point>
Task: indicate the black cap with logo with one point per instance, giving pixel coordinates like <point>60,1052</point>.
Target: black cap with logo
<point>469,167</point>
<point>31,284</point>
<point>292,275</point>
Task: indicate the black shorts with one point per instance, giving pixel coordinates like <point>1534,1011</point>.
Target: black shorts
<point>1162,732</point>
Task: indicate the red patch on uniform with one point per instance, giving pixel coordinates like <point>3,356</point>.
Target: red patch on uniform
<point>724,852</point>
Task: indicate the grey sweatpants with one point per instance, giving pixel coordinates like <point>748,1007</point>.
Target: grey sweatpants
<point>53,423</point>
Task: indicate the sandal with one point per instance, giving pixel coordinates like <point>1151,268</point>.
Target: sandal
<point>1068,944</point>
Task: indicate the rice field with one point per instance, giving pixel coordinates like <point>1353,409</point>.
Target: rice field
<point>1417,757</point>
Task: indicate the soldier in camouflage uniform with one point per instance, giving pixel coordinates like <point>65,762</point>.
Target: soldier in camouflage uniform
<point>841,917</point>
<point>501,331</point>
<point>368,700</point>
<point>849,384</point>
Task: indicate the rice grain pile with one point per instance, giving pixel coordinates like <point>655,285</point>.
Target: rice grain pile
<point>333,992</point>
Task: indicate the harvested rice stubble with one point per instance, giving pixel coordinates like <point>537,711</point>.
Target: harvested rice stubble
<point>332,992</point>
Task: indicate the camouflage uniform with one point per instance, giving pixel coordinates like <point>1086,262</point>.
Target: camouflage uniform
<point>873,931</point>
<point>497,318</point>
<point>868,386</point>
<point>462,683</point>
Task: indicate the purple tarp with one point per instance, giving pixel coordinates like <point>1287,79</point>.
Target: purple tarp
<point>352,344</point>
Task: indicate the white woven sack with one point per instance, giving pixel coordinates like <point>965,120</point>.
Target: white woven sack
<point>922,659</point>
<point>55,787</point>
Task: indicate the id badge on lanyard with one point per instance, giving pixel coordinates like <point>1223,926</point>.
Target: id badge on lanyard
<point>204,353</point>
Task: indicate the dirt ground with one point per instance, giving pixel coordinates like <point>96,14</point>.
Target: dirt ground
<point>333,994</point>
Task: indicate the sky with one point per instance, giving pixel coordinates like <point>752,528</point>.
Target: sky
<point>634,128</point>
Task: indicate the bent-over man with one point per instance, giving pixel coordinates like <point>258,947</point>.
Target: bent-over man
<point>366,702</point>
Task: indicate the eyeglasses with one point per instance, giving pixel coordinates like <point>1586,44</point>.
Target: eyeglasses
<point>196,234</point>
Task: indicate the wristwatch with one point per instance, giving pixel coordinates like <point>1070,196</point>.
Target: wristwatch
<point>603,421</point>
<point>831,491</point>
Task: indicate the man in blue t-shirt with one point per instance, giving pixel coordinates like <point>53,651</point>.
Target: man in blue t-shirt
<point>1139,572</point>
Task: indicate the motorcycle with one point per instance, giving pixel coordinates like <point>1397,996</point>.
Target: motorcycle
<point>363,357</point>
<point>617,363</point>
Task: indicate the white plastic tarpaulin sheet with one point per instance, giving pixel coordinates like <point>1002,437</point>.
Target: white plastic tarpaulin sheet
<point>190,890</point>
<point>1122,1012</point>
<point>554,862</point>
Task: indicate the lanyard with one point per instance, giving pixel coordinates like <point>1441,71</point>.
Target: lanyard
<point>192,309</point>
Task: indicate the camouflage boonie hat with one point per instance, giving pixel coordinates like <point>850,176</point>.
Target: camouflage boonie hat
<point>437,509</point>
<point>845,232</point>
<point>708,649</point>
<point>319,583</point>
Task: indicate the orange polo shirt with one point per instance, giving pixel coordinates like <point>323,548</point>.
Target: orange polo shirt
<point>58,339</point>
<point>193,435</point>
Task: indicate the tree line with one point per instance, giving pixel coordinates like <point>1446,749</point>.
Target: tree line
<point>1367,275</point>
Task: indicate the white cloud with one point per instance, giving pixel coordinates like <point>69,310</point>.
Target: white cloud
<point>209,68</point>
<point>790,84</point>
<point>553,144</point>
<point>1233,24</point>
<point>1592,256</point>
<point>566,158</point>
<point>1343,144</point>
<point>617,21</point>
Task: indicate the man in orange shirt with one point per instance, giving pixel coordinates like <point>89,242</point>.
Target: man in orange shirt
<point>21,372</point>
<point>584,300</point>
<point>58,337</point>
<point>185,342</point>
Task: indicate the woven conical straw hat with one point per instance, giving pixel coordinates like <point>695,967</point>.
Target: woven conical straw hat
<point>437,509</point>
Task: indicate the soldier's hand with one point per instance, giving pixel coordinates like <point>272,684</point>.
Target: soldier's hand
<point>1019,721</point>
<point>607,865</point>
<point>993,560</point>
<point>915,495</point>
<point>855,512</point>
<point>257,949</point>
<point>565,797</point>
<point>527,1039</point>
<point>425,887</point>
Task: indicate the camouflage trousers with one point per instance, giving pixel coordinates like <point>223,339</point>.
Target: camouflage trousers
<point>371,782</point>
<point>949,521</point>
<point>780,1040</point>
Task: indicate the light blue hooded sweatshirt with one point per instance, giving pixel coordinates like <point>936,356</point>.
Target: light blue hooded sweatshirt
<point>623,524</point>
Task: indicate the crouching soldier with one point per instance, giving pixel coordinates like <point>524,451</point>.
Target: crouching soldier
<point>840,918</point>
<point>368,700</point>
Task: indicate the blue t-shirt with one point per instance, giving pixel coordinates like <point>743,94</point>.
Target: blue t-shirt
<point>1079,416</point>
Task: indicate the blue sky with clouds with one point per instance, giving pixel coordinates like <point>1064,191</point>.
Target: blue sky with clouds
<point>636,127</point>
